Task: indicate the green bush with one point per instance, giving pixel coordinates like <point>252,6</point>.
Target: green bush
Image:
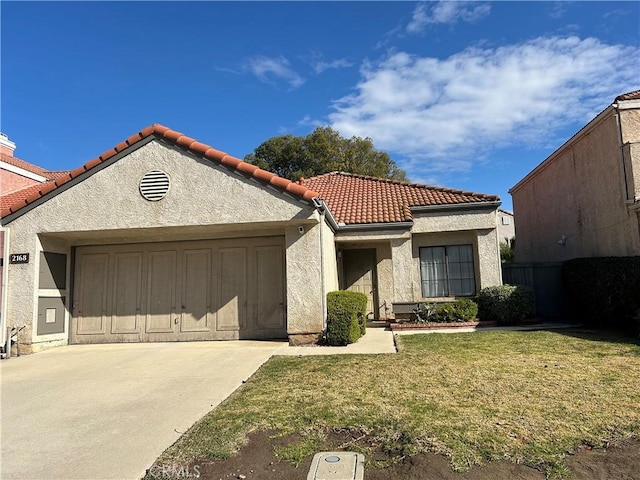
<point>346,319</point>
<point>506,304</point>
<point>604,291</point>
<point>463,310</point>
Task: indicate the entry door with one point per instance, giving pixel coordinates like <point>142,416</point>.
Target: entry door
<point>359,266</point>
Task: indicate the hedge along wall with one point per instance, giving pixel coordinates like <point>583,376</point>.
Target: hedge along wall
<point>604,291</point>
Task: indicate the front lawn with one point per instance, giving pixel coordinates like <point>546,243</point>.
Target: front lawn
<point>527,397</point>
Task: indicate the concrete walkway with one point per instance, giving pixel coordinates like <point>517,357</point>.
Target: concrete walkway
<point>377,340</point>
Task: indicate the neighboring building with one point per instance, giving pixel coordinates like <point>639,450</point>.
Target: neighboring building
<point>584,199</point>
<point>164,238</point>
<point>506,227</point>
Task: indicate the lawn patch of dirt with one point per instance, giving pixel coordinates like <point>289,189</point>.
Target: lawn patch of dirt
<point>257,461</point>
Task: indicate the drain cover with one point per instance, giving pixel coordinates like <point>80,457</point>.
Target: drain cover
<point>337,466</point>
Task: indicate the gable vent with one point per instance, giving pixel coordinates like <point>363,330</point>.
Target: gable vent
<point>154,185</point>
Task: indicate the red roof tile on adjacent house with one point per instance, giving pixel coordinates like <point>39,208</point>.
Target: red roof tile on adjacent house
<point>16,162</point>
<point>14,201</point>
<point>635,95</point>
<point>358,199</point>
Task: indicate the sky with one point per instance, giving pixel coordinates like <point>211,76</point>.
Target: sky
<point>467,95</point>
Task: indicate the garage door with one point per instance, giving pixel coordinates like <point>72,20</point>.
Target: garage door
<point>180,291</point>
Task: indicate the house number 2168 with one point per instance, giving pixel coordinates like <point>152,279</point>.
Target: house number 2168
<point>19,258</point>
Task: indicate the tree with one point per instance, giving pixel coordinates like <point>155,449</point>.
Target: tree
<point>506,251</point>
<point>323,150</point>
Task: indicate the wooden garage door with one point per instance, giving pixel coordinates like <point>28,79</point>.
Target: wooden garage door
<point>203,290</point>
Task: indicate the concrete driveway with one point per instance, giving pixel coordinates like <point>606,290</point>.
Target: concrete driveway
<point>108,411</point>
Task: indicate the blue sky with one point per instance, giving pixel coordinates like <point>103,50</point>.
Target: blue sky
<point>469,95</point>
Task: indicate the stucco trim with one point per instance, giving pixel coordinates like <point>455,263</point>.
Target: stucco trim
<point>628,104</point>
<point>456,206</point>
<point>375,226</point>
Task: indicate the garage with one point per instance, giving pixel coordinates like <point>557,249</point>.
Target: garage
<point>179,291</point>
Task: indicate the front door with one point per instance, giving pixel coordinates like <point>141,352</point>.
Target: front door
<point>359,267</point>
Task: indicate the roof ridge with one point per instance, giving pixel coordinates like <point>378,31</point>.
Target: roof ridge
<point>632,95</point>
<point>411,184</point>
<point>174,137</point>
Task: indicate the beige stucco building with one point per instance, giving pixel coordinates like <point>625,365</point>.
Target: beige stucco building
<point>164,238</point>
<point>584,199</point>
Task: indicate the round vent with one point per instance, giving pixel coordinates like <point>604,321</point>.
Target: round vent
<point>154,185</point>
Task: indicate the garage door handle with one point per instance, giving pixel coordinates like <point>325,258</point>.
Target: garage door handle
<point>176,321</point>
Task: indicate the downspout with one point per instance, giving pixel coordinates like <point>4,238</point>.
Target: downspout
<point>6,338</point>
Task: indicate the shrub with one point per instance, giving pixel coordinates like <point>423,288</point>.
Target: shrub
<point>346,320</point>
<point>506,304</point>
<point>604,291</point>
<point>463,310</point>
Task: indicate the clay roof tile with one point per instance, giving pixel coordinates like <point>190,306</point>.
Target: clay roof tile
<point>359,199</point>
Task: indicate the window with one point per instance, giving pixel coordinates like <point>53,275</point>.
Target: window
<point>506,220</point>
<point>447,271</point>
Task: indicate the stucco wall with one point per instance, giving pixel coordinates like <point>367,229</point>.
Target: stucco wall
<point>630,133</point>
<point>506,231</point>
<point>109,202</point>
<point>330,265</point>
<point>452,221</point>
<point>305,303</point>
<point>578,194</point>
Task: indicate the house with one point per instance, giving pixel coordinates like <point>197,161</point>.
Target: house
<point>163,238</point>
<point>584,199</point>
<point>506,227</point>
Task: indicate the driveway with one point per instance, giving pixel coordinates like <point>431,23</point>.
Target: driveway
<point>108,411</point>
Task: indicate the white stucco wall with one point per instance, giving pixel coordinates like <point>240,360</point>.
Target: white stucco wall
<point>203,201</point>
<point>305,302</point>
<point>579,194</point>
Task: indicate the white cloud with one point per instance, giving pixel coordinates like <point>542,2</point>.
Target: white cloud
<point>320,65</point>
<point>558,9</point>
<point>446,12</point>
<point>270,69</point>
<point>446,114</point>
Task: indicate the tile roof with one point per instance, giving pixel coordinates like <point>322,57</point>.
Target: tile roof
<point>14,201</point>
<point>635,95</point>
<point>30,167</point>
<point>358,199</point>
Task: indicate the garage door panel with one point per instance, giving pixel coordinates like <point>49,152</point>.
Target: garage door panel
<point>196,290</point>
<point>232,288</point>
<point>161,292</point>
<point>127,293</point>
<point>92,301</point>
<point>269,290</point>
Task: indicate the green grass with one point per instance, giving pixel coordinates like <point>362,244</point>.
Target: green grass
<point>527,397</point>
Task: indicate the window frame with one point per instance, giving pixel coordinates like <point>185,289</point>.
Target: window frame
<point>447,279</point>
